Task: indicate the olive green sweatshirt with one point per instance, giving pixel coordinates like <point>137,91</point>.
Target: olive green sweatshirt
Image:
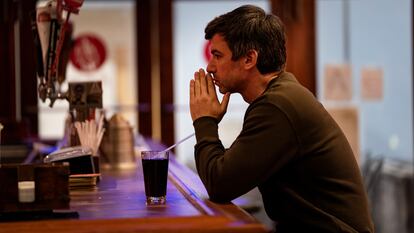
<point>298,157</point>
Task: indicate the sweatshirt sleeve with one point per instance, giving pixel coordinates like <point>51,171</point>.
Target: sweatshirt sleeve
<point>266,144</point>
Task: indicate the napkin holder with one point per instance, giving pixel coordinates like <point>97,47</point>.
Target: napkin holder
<point>33,187</point>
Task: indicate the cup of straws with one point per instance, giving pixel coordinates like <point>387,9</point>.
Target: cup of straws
<point>90,133</point>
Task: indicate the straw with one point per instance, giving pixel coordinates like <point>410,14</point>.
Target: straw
<point>90,133</point>
<point>179,142</point>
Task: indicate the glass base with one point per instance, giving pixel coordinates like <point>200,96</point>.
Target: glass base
<point>156,200</point>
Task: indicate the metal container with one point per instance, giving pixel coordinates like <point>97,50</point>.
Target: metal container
<point>118,144</point>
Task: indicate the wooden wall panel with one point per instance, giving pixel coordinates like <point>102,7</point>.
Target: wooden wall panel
<point>144,67</point>
<point>29,96</point>
<point>166,72</point>
<point>7,94</point>
<point>154,43</point>
<point>18,81</point>
<point>299,19</point>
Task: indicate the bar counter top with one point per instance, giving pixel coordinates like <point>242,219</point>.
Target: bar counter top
<point>117,204</point>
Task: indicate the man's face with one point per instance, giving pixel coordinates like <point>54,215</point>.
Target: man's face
<point>225,72</point>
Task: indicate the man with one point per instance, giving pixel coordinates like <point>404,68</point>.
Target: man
<point>289,146</point>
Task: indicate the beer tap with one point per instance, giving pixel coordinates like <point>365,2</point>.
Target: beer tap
<point>52,38</point>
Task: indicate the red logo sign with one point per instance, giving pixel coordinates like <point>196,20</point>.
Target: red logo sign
<point>207,51</point>
<point>88,53</point>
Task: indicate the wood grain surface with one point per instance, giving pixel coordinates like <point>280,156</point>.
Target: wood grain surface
<point>117,204</point>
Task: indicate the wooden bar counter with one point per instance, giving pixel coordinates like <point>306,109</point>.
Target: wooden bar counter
<point>117,204</point>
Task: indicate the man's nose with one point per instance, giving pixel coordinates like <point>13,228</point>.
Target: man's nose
<point>210,67</point>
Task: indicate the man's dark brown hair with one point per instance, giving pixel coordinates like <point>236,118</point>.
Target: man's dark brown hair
<point>250,28</point>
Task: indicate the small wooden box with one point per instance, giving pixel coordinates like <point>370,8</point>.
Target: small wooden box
<point>51,187</point>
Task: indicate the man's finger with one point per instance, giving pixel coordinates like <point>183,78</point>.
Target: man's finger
<point>197,87</point>
<point>192,98</point>
<point>210,85</point>
<point>191,89</point>
<point>203,81</point>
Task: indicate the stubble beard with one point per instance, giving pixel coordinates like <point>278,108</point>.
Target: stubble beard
<point>223,90</point>
<point>218,85</point>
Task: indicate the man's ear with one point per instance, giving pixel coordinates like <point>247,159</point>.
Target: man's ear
<point>250,60</point>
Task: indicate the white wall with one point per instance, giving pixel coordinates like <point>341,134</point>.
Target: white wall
<point>379,36</point>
